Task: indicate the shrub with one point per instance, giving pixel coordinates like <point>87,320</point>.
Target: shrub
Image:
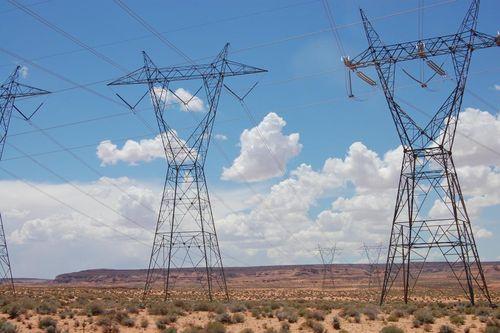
<point>14,310</point>
<point>162,322</point>
<point>315,326</point>
<point>47,323</point>
<point>182,305</point>
<point>316,315</point>
<point>215,327</point>
<point>457,320</point>
<point>162,309</point>
<point>351,312</point>
<point>169,330</point>
<point>237,307</point>
<point>224,318</point>
<point>285,327</point>
<point>202,306</point>
<point>422,316</point>
<point>446,329</point>
<point>7,327</point>
<point>47,308</point>
<point>491,329</point>
<point>128,322</point>
<point>391,329</point>
<point>144,323</point>
<point>336,323</point>
<point>483,311</point>
<point>95,309</point>
<point>287,314</point>
<point>238,318</point>
<point>371,313</point>
<point>395,315</point>
<point>270,330</point>
<point>132,309</point>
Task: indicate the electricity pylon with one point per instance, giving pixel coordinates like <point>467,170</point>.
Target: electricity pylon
<point>430,209</point>
<point>327,255</point>
<point>11,90</point>
<point>373,253</point>
<point>185,235</point>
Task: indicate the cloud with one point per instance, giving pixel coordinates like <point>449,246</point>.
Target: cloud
<point>265,151</point>
<point>145,150</point>
<point>47,238</point>
<point>289,220</point>
<point>282,220</point>
<point>220,137</point>
<point>497,87</point>
<point>348,200</point>
<point>24,71</point>
<point>478,138</point>
<point>186,101</point>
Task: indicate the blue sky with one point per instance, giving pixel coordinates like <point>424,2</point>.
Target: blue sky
<point>304,87</point>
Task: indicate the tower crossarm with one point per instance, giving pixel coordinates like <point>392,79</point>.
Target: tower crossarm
<point>183,73</point>
<point>9,91</point>
<point>422,49</point>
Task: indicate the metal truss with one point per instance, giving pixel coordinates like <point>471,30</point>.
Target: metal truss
<point>430,210</point>
<point>185,242</point>
<point>11,90</point>
<point>327,255</point>
<point>373,253</point>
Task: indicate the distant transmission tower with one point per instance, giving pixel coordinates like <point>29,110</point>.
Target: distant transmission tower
<point>327,255</point>
<point>11,90</point>
<point>428,176</point>
<point>185,235</point>
<point>373,253</point>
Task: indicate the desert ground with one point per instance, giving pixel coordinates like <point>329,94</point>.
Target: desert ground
<point>275,299</point>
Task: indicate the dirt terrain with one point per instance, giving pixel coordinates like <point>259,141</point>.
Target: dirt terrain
<point>276,299</point>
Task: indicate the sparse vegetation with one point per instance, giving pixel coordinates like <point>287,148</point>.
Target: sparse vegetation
<point>336,323</point>
<point>391,329</point>
<point>7,327</point>
<point>48,324</point>
<point>457,320</point>
<point>115,310</point>
<point>446,329</point>
<point>422,316</point>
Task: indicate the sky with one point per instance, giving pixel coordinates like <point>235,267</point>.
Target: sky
<point>81,183</point>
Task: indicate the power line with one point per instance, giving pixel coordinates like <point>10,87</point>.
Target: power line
<point>66,35</point>
<point>333,27</point>
<point>189,27</point>
<point>76,187</point>
<point>74,83</point>
<point>30,5</point>
<point>37,188</point>
<point>266,44</point>
<point>169,44</point>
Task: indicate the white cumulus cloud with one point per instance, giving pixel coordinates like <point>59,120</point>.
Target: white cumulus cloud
<point>265,151</point>
<point>144,150</point>
<point>186,101</point>
<point>361,187</point>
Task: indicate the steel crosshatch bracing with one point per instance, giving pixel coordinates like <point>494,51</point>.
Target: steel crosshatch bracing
<point>185,236</point>
<point>11,90</point>
<point>430,213</point>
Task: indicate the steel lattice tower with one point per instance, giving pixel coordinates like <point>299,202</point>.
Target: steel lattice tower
<point>373,253</point>
<point>327,256</point>
<point>185,235</point>
<point>11,90</point>
<point>428,176</point>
